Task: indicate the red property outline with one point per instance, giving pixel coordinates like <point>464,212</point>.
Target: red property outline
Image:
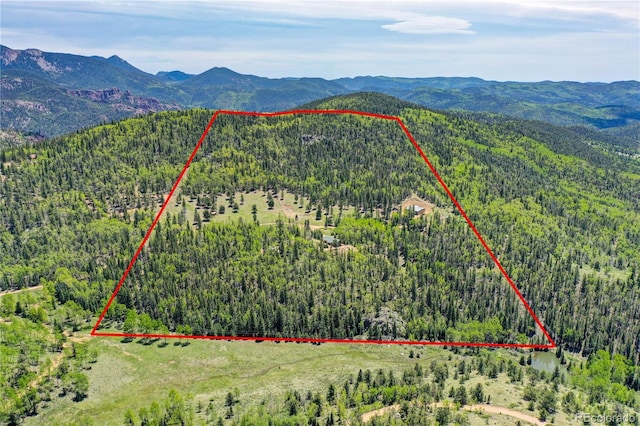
<point>94,331</point>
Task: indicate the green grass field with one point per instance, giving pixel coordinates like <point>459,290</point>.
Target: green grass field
<point>132,375</point>
<point>285,206</point>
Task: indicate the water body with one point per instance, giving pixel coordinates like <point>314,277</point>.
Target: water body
<point>544,361</point>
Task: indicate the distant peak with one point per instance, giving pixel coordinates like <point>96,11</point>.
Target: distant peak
<point>121,63</point>
<point>223,70</point>
<point>173,75</point>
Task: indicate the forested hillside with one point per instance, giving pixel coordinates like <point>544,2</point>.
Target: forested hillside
<point>561,215</point>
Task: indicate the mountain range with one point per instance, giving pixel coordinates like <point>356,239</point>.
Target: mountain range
<point>49,94</point>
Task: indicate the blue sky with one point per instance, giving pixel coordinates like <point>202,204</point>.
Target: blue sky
<point>523,40</point>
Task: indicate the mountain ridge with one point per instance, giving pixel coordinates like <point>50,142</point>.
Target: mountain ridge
<point>352,83</point>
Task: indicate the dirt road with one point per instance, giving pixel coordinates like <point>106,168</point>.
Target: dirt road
<point>38,287</point>
<point>488,409</point>
<point>366,417</point>
<point>493,409</point>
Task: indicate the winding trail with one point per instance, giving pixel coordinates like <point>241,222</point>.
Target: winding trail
<point>37,287</point>
<point>484,408</point>
<point>493,409</point>
<point>366,417</point>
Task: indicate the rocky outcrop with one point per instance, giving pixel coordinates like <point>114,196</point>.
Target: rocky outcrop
<point>34,55</point>
<point>124,100</point>
<point>106,95</point>
<point>9,55</point>
<point>41,107</point>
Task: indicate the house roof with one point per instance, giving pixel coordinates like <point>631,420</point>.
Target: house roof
<point>329,239</point>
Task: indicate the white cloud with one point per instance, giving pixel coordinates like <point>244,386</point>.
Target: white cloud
<point>622,9</point>
<point>513,39</point>
<point>401,10</point>
<point>422,24</point>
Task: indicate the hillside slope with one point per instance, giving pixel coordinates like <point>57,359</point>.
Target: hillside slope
<point>81,72</point>
<point>36,106</point>
<point>560,213</point>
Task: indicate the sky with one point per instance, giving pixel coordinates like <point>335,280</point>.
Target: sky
<point>517,40</point>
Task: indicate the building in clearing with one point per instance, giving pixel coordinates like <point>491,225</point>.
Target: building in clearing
<point>330,241</point>
<point>417,209</point>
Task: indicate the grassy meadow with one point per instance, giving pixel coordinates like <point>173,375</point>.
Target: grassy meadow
<point>131,375</point>
<point>285,206</point>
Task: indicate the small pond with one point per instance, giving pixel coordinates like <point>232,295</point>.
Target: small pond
<point>544,361</point>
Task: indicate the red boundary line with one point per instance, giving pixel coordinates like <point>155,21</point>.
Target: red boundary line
<point>404,128</point>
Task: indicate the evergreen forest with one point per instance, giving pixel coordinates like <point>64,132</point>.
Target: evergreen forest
<point>559,210</point>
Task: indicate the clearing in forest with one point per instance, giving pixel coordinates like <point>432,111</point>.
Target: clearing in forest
<point>285,205</point>
<point>288,208</point>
